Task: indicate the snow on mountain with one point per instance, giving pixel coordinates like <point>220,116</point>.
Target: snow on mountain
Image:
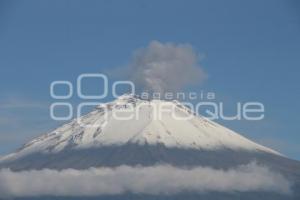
<point>146,125</point>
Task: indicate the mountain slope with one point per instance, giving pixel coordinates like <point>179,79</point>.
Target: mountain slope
<point>147,125</point>
<point>150,137</point>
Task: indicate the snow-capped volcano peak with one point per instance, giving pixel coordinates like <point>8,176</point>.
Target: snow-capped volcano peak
<point>130,119</point>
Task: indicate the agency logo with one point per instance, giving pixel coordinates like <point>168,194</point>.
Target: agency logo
<point>192,102</point>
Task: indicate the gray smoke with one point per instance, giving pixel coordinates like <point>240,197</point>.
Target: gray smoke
<point>161,179</point>
<point>164,67</point>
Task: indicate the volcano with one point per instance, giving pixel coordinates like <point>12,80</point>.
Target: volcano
<point>130,131</point>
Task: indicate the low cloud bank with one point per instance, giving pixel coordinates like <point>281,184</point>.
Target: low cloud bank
<point>160,179</point>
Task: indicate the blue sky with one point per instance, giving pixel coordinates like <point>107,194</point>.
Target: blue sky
<point>250,50</point>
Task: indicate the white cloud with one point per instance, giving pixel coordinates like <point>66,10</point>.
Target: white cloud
<point>140,180</point>
<point>21,103</point>
<point>164,67</point>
